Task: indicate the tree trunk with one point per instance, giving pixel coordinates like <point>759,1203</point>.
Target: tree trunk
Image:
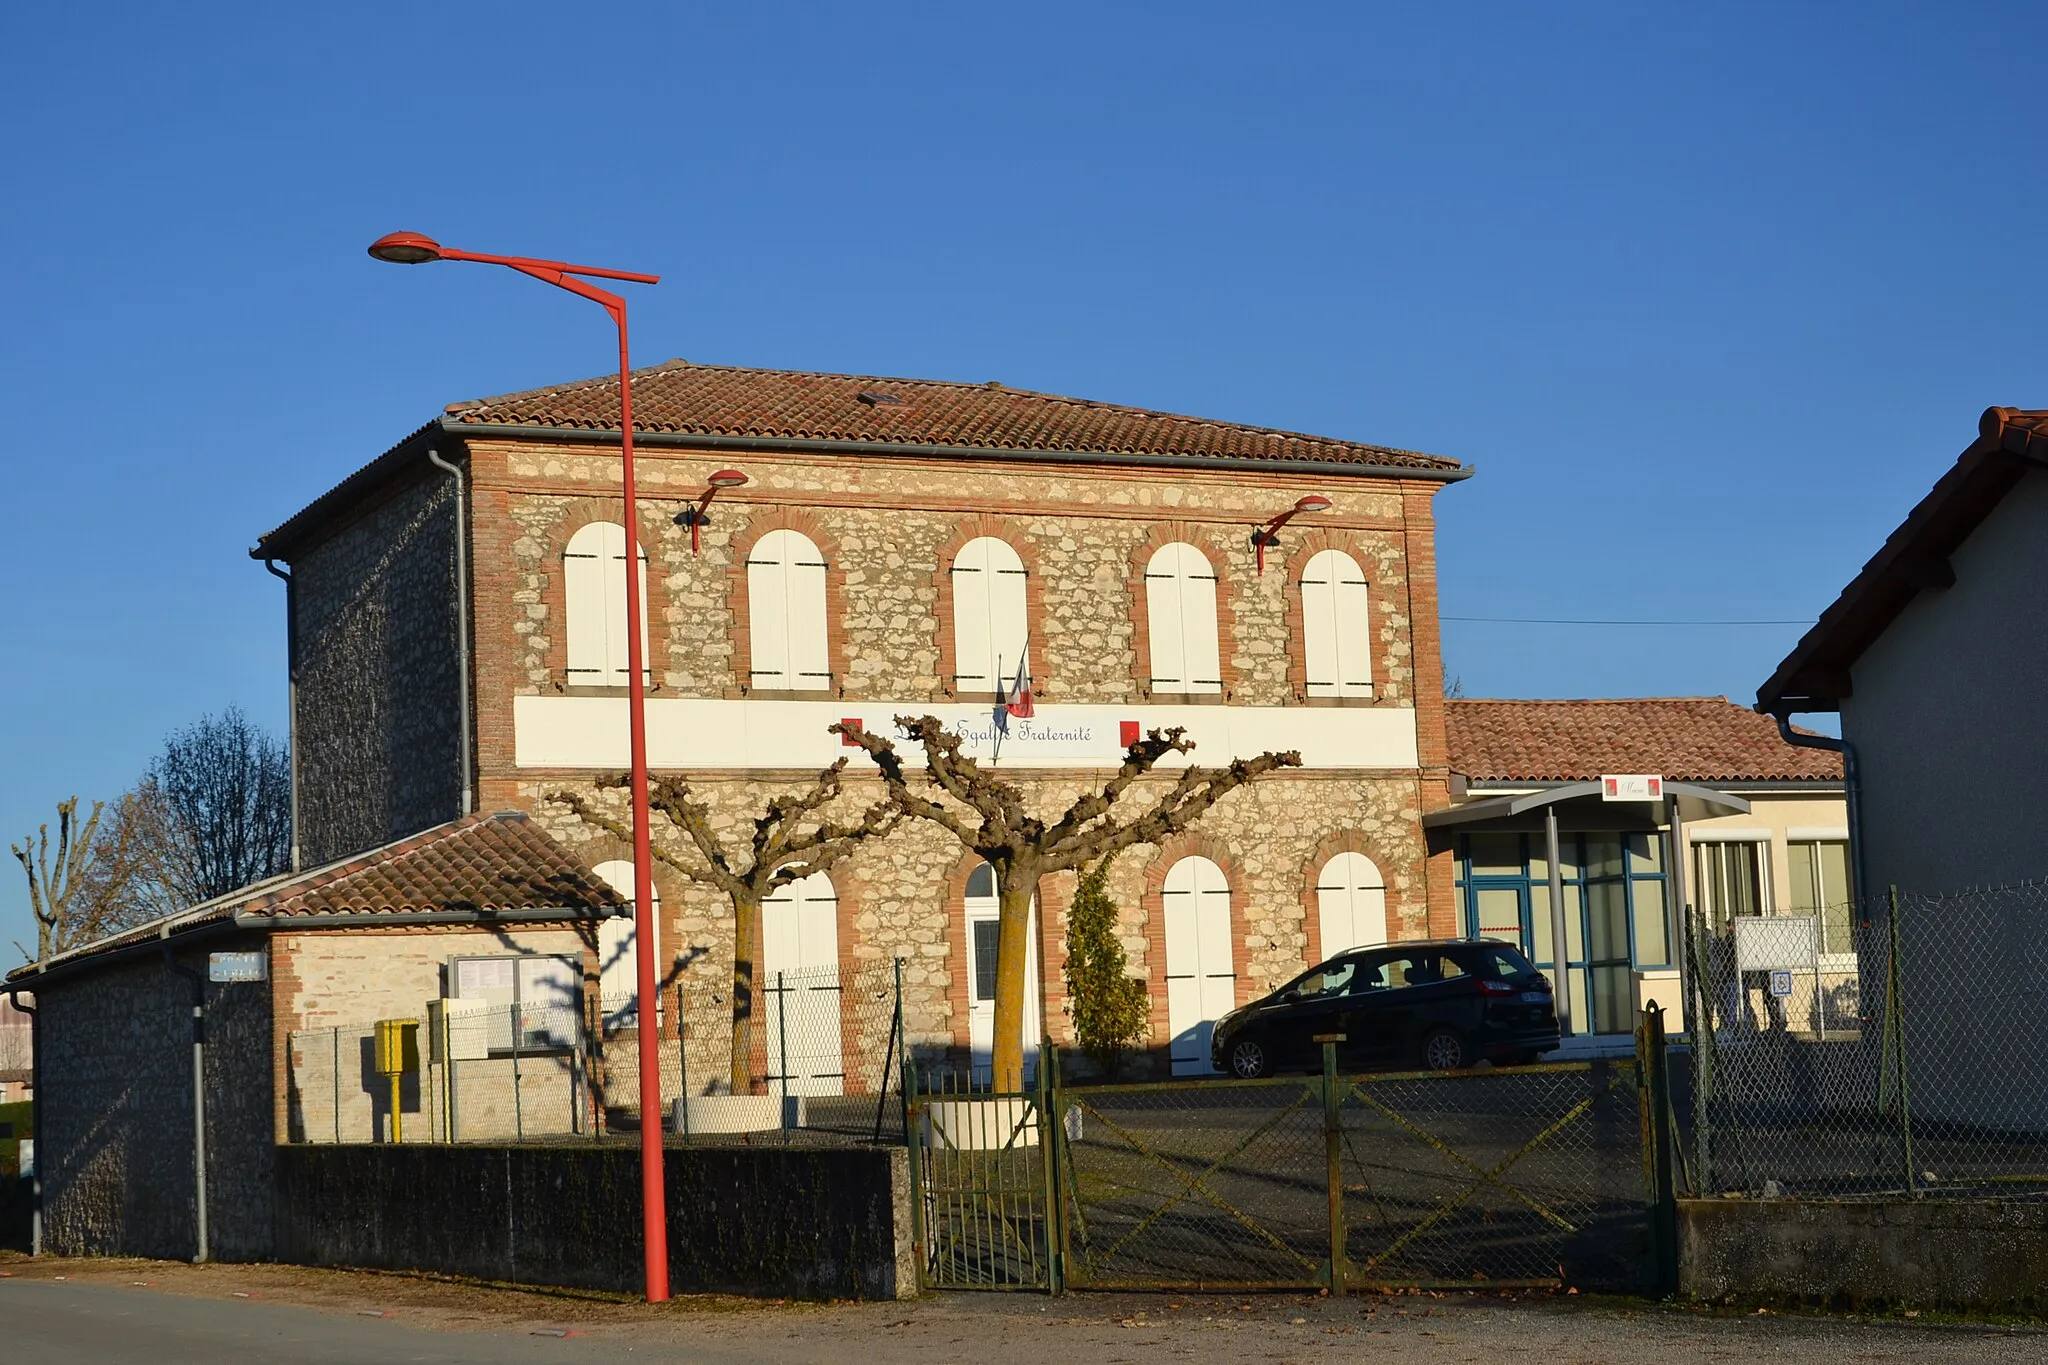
<point>746,932</point>
<point>1014,947</point>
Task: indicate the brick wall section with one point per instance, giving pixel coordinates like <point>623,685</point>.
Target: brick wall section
<point>378,700</point>
<point>1432,749</point>
<point>116,1091</point>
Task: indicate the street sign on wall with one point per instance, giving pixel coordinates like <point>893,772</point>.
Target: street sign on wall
<point>237,966</point>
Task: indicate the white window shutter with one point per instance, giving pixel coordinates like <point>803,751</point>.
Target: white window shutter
<point>1353,613</point>
<point>1009,628</point>
<point>810,660</point>
<point>584,602</point>
<point>971,649</point>
<point>1319,624</point>
<point>1203,655</point>
<point>613,560</point>
<point>1164,589</point>
<point>1351,904</point>
<point>768,612</point>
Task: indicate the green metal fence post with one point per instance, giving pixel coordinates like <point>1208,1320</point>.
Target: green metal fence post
<point>518,1111</point>
<point>1049,1136</point>
<point>682,1065</point>
<point>1333,1159</point>
<point>1654,1094</point>
<point>914,1147</point>
<point>902,1056</point>
<point>782,1051</point>
<point>1895,1009</point>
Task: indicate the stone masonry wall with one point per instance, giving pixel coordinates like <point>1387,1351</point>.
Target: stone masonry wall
<point>378,697</point>
<point>116,1097</point>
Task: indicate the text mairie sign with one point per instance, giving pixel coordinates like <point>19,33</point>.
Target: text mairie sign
<point>716,734</point>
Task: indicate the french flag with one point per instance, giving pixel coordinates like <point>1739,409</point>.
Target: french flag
<point>1018,700</point>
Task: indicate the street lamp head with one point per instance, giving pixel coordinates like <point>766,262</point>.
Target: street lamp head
<point>406,248</point>
<point>1314,502</point>
<point>727,478</point>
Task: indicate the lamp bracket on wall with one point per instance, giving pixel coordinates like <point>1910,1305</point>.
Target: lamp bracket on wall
<point>698,514</point>
<point>1269,534</point>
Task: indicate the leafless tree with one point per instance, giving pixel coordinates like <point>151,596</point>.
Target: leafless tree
<point>84,889</point>
<point>222,789</point>
<point>987,813</point>
<point>791,840</point>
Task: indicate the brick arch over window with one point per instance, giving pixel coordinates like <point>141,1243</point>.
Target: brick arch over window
<point>1153,906</point>
<point>1019,540</point>
<point>1343,841</point>
<point>740,595</point>
<point>1312,544</point>
<point>575,515</point>
<point>1186,533</point>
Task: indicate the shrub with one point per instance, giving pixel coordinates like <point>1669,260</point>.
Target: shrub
<point>1109,1007</point>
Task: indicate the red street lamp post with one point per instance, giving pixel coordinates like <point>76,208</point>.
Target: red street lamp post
<point>410,248</point>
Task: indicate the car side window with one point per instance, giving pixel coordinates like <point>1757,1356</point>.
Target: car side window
<point>1422,969</point>
<point>1336,979</point>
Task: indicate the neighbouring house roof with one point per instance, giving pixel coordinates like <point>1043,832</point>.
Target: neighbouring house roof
<point>733,406</point>
<point>1687,739</point>
<point>473,869</point>
<point>1815,675</point>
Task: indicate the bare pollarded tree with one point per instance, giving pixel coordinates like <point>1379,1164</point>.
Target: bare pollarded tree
<point>791,839</point>
<point>988,814</point>
<point>94,882</point>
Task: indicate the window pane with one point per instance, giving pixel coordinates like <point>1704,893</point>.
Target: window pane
<point>1607,903</point>
<point>987,938</point>
<point>1603,855</point>
<point>1500,913</point>
<point>1646,853</point>
<point>1805,892</point>
<point>1653,946</point>
<point>1495,855</point>
<point>1540,936</point>
<point>1574,925</point>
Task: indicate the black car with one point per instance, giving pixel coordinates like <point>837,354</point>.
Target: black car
<point>1438,1005</point>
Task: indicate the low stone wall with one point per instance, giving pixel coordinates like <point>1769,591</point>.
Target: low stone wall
<point>786,1222</point>
<point>1989,1255</point>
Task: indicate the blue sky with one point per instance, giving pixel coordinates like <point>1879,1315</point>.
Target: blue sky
<point>1709,295</point>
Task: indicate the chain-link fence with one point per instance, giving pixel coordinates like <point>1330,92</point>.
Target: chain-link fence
<point>810,1056</point>
<point>1900,1050</point>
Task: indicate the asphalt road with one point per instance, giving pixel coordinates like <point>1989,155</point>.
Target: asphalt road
<point>106,1324</point>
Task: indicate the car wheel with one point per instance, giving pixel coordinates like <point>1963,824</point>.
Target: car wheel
<point>1248,1060</point>
<point>1444,1050</point>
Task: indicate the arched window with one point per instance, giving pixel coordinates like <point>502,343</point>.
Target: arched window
<point>800,981</point>
<point>1180,608</point>
<point>1351,904</point>
<point>1336,627</point>
<point>786,613</point>
<point>594,598</point>
<point>1201,972</point>
<point>618,958</point>
<point>990,632</point>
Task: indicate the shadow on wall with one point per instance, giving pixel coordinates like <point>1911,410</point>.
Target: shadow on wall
<point>378,1088</point>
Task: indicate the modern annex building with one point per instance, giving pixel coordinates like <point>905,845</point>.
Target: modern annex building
<point>896,546</point>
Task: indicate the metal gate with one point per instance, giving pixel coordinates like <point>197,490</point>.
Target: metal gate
<point>1527,1176</point>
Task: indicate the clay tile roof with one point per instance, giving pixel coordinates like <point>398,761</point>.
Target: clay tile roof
<point>480,864</point>
<point>728,400</point>
<point>1688,739</point>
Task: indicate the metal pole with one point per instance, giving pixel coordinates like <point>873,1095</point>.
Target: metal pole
<point>1560,945</point>
<point>1333,1158</point>
<point>335,1034</point>
<point>518,1108</point>
<point>682,1063</point>
<point>782,1049</point>
<point>1898,1011</point>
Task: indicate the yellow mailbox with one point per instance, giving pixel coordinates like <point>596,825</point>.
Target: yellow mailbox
<point>398,1052</point>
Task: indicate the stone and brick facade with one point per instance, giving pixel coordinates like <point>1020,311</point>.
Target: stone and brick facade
<point>888,479</point>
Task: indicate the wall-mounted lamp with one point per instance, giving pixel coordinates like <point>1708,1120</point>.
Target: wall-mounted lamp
<point>694,517</point>
<point>1269,534</point>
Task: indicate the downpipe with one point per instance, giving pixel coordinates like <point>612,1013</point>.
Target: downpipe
<point>1852,788</point>
<point>35,1067</point>
<point>198,981</point>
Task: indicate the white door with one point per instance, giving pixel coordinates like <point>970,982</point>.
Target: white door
<point>983,934</point>
<point>800,981</point>
<point>1201,976</point>
<point>618,959</point>
<point>1351,904</point>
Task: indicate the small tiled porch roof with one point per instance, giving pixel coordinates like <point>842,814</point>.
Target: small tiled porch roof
<point>1688,739</point>
<point>472,869</point>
